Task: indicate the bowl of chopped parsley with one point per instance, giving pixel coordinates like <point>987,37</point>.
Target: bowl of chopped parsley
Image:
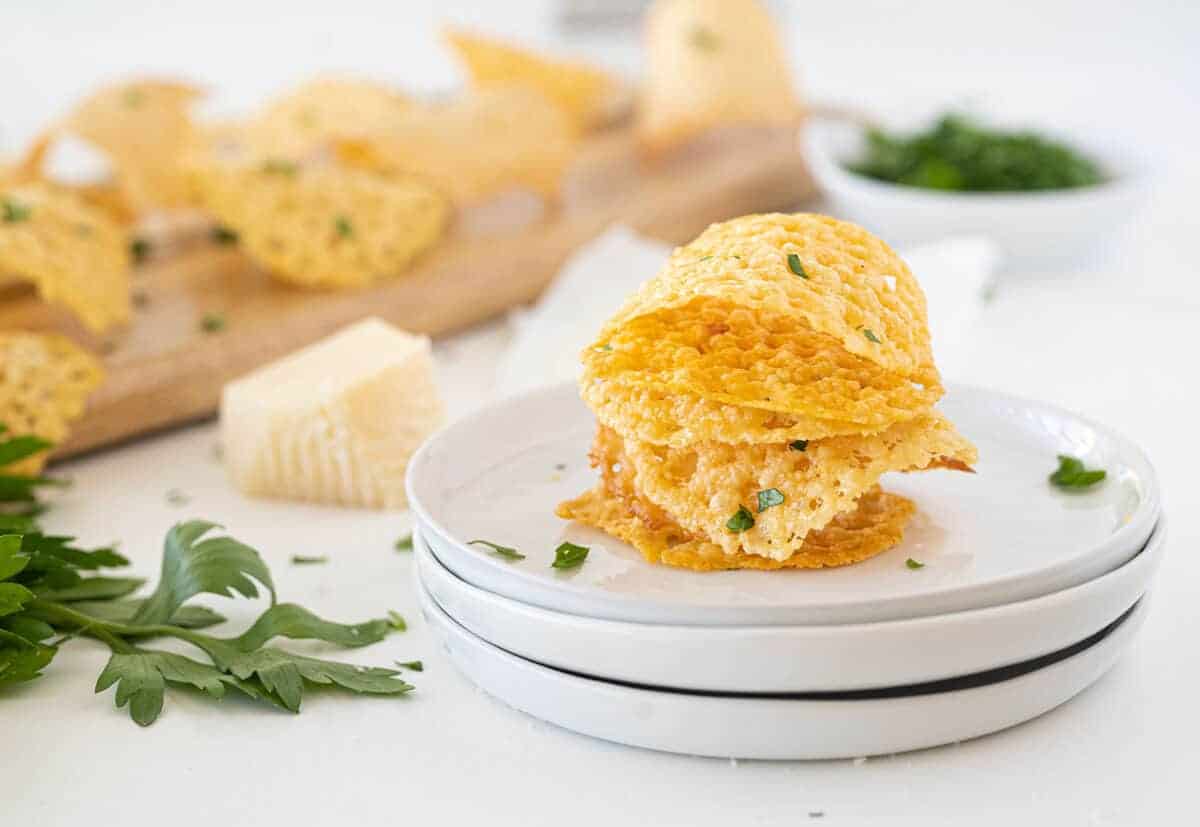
<point>1042,196</point>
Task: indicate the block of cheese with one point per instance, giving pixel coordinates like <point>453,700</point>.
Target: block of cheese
<point>335,422</point>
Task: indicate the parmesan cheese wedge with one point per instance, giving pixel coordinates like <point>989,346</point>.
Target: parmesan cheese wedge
<point>335,422</point>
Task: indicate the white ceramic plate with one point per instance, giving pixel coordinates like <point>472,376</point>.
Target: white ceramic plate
<point>775,727</point>
<point>757,659</point>
<point>998,536</point>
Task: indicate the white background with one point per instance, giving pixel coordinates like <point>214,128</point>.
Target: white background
<point>1117,340</point>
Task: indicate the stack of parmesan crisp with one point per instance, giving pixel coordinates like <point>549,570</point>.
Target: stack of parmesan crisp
<point>751,396</point>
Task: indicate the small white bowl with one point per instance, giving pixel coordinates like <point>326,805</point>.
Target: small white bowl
<point>1031,228</point>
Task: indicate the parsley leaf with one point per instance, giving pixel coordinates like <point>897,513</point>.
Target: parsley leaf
<point>1073,475</point>
<point>870,334</point>
<point>504,551</point>
<point>768,498</point>
<point>13,212</point>
<point>405,543</point>
<point>799,445</point>
<point>142,677</point>
<point>741,521</point>
<point>914,564</point>
<point>569,556</point>
<point>795,266</point>
<point>192,565</point>
<point>22,659</point>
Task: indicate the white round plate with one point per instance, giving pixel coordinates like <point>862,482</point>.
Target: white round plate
<point>997,536</point>
<point>778,727</point>
<point>759,659</point>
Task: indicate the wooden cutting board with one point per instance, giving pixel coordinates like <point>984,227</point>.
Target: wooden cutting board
<point>164,369</point>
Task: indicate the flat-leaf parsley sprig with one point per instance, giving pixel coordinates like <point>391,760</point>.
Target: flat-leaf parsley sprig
<point>50,592</point>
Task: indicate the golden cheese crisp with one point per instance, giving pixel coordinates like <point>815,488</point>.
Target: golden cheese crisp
<point>874,526</point>
<point>105,195</point>
<point>651,412</point>
<point>323,109</point>
<point>322,226</point>
<point>788,492</point>
<point>711,63</point>
<point>45,381</point>
<point>588,95</point>
<point>145,129</point>
<point>75,254</point>
<point>493,140</point>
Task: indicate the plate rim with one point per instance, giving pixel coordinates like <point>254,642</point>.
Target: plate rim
<point>1127,539</point>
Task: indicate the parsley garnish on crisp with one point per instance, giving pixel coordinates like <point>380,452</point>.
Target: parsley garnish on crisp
<point>742,520</point>
<point>1073,475</point>
<point>212,323</point>
<point>914,564</point>
<point>139,250</point>
<point>223,235</point>
<point>703,38</point>
<point>799,445</point>
<point>50,592</point>
<point>279,167</point>
<point>506,552</point>
<point>870,334</point>
<point>569,556</point>
<point>769,497</point>
<point>795,266</point>
<point>343,226</point>
<point>13,212</point>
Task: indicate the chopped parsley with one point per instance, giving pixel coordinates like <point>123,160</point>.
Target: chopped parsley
<point>414,665</point>
<point>569,556</point>
<point>306,560</point>
<point>139,248</point>
<point>795,266</point>
<point>703,39</point>
<point>405,543</point>
<point>799,445</point>
<point>223,235</point>
<point>276,166</point>
<point>769,497</point>
<point>13,212</point>
<point>343,226</point>
<point>396,621</point>
<point>212,322</point>
<point>177,498</point>
<point>507,552</point>
<point>741,521</point>
<point>870,334</point>
<point>914,564</point>
<point>1073,475</point>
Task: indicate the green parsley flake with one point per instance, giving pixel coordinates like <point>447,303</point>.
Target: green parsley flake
<point>703,39</point>
<point>569,556</point>
<point>1072,475</point>
<point>177,498</point>
<point>396,621</point>
<point>133,98</point>
<point>768,498</point>
<point>305,560</point>
<point>279,167</point>
<point>343,226</point>
<point>405,543</point>
<point>139,249</point>
<point>914,564</point>
<point>13,212</point>
<point>870,334</point>
<point>506,552</point>
<point>799,445</point>
<point>741,521</point>
<point>212,322</point>
<point>223,235</point>
<point>414,665</point>
<point>795,266</point>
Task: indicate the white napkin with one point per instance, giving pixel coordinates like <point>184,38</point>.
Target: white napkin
<point>956,275</point>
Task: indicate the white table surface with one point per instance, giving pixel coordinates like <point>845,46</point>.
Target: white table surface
<point>1118,340</point>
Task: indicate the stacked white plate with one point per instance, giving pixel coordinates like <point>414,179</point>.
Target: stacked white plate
<point>1027,594</point>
